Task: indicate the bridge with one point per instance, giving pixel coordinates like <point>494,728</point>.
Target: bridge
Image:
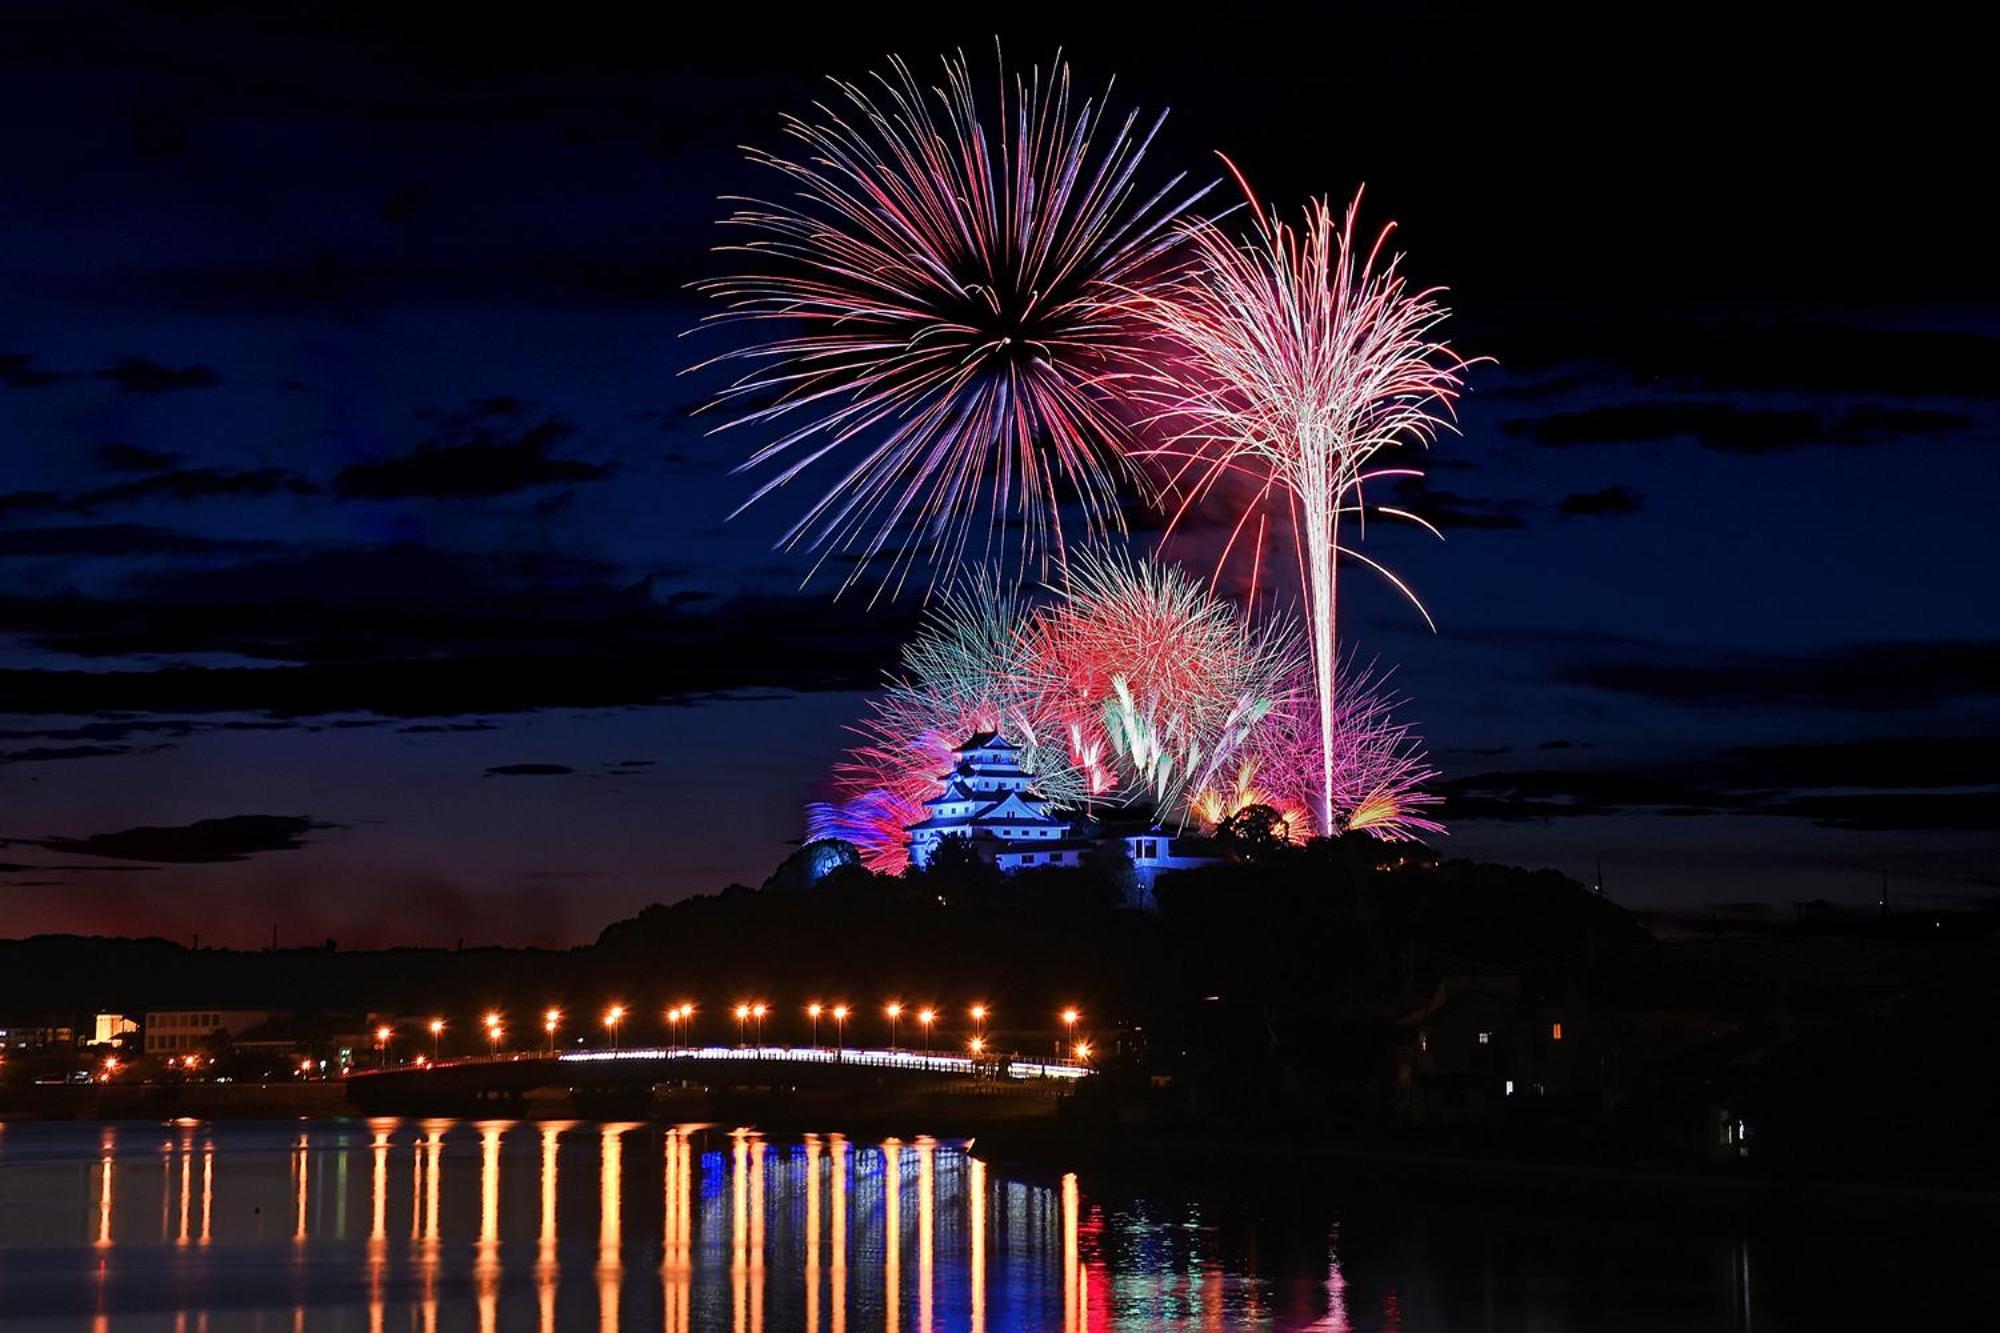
<point>816,1073</point>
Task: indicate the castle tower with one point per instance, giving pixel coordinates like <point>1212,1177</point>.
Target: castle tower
<point>990,800</point>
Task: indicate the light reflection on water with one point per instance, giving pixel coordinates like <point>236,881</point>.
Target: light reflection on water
<point>415,1226</point>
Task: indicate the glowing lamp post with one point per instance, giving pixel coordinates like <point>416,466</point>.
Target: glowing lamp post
<point>895,1011</point>
<point>382,1035</point>
<point>1069,1017</point>
<point>1082,1051</point>
<point>612,1018</point>
<point>976,1045</point>
<point>493,1033</point>
<point>813,1012</point>
<point>111,1068</point>
<point>839,1028</point>
<point>551,1020</point>
<point>684,1015</point>
<point>978,1012</point>
<point>927,1017</point>
<point>437,1038</point>
<point>757,1011</point>
<point>742,1018</point>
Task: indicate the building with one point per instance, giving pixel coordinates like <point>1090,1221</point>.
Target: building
<point>35,1035</point>
<point>990,801</point>
<point>174,1031</point>
<point>108,1028</point>
<point>1155,851</point>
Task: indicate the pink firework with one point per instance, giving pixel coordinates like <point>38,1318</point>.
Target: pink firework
<point>1302,357</point>
<point>958,676</point>
<point>1144,668</point>
<point>1380,769</point>
<point>945,303</point>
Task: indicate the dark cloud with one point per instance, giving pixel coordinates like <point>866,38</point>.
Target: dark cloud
<point>20,372</point>
<point>184,485</point>
<point>1450,510</point>
<point>206,841</point>
<point>1878,812</point>
<point>405,631</point>
<point>1734,429</point>
<point>529,771</point>
<point>486,451</point>
<point>1611,502</point>
<point>120,539</point>
<point>1894,761</point>
<point>43,754</point>
<point>1546,793</point>
<point>137,374</point>
<point>133,458</point>
<point>1739,356</point>
<point>1860,677</point>
<point>1858,786</point>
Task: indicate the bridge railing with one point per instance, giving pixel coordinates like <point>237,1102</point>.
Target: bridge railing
<point>917,1061</point>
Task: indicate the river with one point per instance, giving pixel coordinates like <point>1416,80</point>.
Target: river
<point>422,1225</point>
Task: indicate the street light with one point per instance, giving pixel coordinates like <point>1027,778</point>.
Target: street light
<point>839,1028</point>
<point>978,1012</point>
<point>612,1018</point>
<point>437,1035</point>
<point>686,1013</point>
<point>757,1011</point>
<point>382,1035</point>
<point>551,1020</point>
<point>895,1011</point>
<point>1069,1017</point>
<point>927,1017</point>
<point>976,1045</point>
<point>1082,1049</point>
<point>493,1031</point>
<point>813,1011</point>
<point>742,1017</point>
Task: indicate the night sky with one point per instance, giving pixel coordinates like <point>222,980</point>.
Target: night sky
<point>362,573</point>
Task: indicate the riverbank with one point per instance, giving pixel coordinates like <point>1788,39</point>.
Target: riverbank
<point>168,1101</point>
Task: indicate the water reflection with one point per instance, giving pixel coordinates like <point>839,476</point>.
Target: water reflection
<point>477,1224</point>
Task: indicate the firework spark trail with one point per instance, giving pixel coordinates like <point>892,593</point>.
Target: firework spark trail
<point>1301,358</point>
<point>1380,769</point>
<point>957,677</point>
<point>954,302</point>
<point>1143,661</point>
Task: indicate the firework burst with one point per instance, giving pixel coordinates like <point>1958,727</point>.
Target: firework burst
<point>1303,355</point>
<point>1380,770</point>
<point>945,304</point>
<point>958,676</point>
<point>1142,662</point>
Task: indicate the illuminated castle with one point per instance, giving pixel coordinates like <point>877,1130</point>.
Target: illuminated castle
<point>990,801</point>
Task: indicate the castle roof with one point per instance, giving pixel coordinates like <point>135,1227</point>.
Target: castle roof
<point>986,740</point>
